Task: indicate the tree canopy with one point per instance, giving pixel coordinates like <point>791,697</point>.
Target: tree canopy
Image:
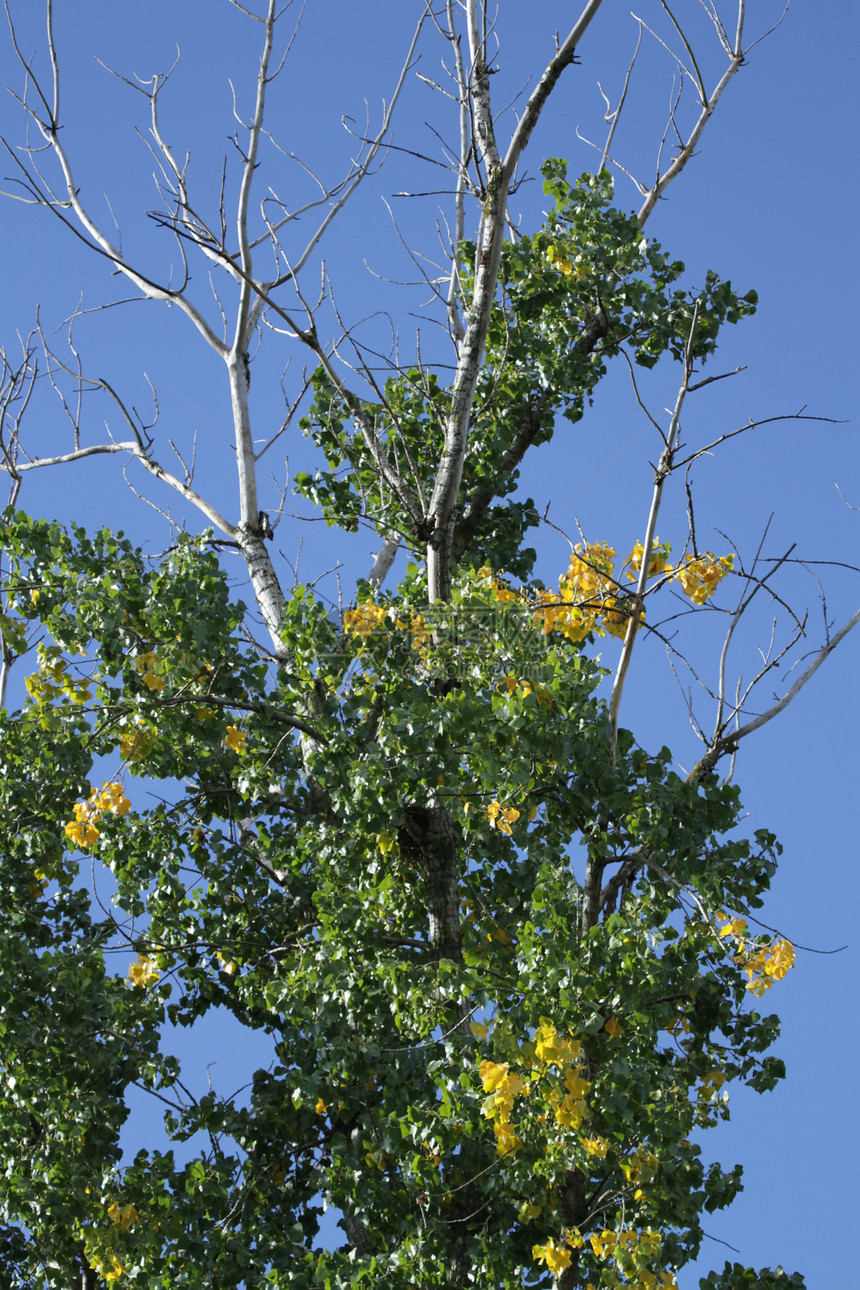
<point>502,959</point>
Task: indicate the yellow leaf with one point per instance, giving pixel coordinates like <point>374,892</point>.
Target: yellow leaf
<point>235,739</point>
<point>142,971</point>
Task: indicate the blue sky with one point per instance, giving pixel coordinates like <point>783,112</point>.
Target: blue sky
<point>769,201</point>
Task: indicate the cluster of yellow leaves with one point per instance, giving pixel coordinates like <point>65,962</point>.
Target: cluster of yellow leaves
<point>570,1109</point>
<point>587,599</point>
<point>53,680</point>
<point>541,693</point>
<point>558,1254</point>
<point>554,1049</point>
<point>548,1049</point>
<point>111,798</point>
<point>142,971</point>
<point>228,966</point>
<point>633,1252</point>
<point>576,268</point>
<point>367,617</point>
<point>364,619</point>
<point>502,817</point>
<point>124,1216</point>
<point>102,1253</point>
<point>503,1085</point>
<point>417,626</point>
<point>633,1247</point>
<point>82,829</point>
<point>763,964</point>
<point>235,739</point>
<point>137,743</point>
<point>108,1264</point>
<point>564,1052</point>
<point>767,965</point>
<point>149,667</point>
<point>501,592</point>
<point>596,1146</point>
<point>699,576</point>
<point>658,562</point>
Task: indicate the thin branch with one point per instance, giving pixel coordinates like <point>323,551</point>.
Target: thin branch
<point>357,175</point>
<point>564,58</point>
<point>488,256</point>
<point>664,469</point>
<point>699,78</point>
<point>92,235</point>
<point>688,147</point>
<point>455,321</point>
<point>728,742</point>
<point>750,425</point>
<point>613,116</point>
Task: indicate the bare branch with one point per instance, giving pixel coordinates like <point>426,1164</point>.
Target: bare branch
<point>708,106</point>
<point>750,425</point>
<point>359,172</point>
<point>699,78</point>
<point>613,115</point>
<point>728,742</point>
<point>664,470</point>
<point>564,58</point>
<point>488,255</point>
<point>49,127</point>
<point>384,560</point>
<point>455,321</point>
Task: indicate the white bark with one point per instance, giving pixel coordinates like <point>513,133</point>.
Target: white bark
<point>662,473</point>
<point>488,257</point>
<point>384,560</point>
<point>708,105</point>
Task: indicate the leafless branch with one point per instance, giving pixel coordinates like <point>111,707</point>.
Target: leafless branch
<point>708,104</point>
<point>728,742</point>
<point>664,469</point>
<point>613,115</point>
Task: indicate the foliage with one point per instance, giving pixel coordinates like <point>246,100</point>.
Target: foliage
<point>588,260</point>
<point>516,1104</point>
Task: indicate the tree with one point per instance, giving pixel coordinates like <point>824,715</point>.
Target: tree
<point>505,957</point>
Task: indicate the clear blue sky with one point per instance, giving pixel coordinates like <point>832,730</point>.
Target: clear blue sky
<point>770,201</point>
